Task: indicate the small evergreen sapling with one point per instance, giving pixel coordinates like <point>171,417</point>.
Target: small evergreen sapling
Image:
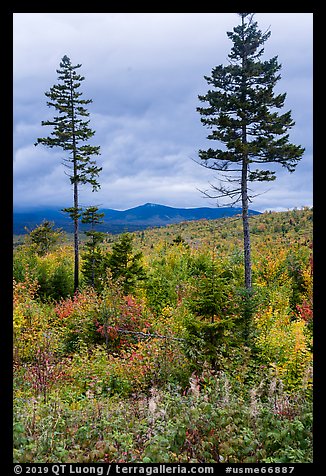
<point>44,237</point>
<point>124,264</point>
<point>93,258</point>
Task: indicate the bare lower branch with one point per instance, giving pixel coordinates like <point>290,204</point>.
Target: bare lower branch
<point>232,201</point>
<point>148,335</point>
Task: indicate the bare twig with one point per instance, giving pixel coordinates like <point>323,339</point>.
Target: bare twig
<point>148,335</point>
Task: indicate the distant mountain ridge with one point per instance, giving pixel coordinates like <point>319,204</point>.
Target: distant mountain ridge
<point>116,221</point>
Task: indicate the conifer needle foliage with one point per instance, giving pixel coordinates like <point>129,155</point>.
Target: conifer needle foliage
<point>71,132</point>
<point>242,113</point>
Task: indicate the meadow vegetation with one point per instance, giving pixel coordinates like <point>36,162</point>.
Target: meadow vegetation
<point>162,360</point>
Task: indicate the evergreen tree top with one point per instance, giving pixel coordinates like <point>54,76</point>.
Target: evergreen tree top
<point>244,15</point>
<point>247,38</point>
<point>66,63</point>
<point>241,112</point>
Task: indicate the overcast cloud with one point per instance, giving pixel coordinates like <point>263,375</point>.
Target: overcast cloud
<point>144,72</point>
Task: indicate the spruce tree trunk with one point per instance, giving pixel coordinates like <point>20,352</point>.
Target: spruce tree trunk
<point>93,259</point>
<point>244,175</point>
<point>75,182</point>
<point>245,224</point>
<point>76,244</point>
<point>247,251</point>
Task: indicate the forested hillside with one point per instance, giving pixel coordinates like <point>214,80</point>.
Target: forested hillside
<point>158,357</point>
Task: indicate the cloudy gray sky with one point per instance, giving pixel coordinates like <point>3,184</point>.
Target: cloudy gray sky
<point>144,72</point>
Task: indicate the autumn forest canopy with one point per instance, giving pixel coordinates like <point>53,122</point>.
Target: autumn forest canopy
<point>162,342</point>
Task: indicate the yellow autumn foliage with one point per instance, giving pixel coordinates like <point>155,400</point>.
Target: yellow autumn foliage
<point>284,344</point>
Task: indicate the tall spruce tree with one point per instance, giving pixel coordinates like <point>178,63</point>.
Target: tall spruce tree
<point>71,132</point>
<point>242,114</point>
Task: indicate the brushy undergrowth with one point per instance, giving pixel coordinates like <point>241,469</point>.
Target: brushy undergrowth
<point>210,422</point>
<point>185,368</point>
